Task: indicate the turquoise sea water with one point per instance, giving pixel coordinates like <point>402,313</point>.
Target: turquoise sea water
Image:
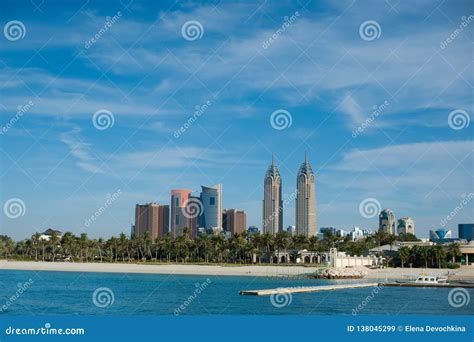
<point>72,293</point>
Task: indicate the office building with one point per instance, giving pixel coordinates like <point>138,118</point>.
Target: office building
<point>211,199</point>
<point>406,225</point>
<point>466,231</point>
<point>305,200</point>
<point>180,212</point>
<point>387,221</point>
<point>272,201</point>
<point>152,219</point>
<point>234,221</point>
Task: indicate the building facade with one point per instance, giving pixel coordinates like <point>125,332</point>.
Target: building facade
<point>152,219</point>
<point>406,225</point>
<point>180,215</point>
<point>272,220</point>
<point>305,200</point>
<point>211,200</point>
<point>466,231</point>
<point>387,221</point>
<point>234,221</point>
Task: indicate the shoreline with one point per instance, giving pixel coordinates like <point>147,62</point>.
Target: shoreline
<point>463,273</point>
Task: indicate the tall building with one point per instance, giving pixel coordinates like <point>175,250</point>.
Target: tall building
<point>234,221</point>
<point>180,218</point>
<point>406,225</point>
<point>466,231</point>
<point>211,200</point>
<point>387,221</point>
<point>272,201</point>
<point>305,200</point>
<point>151,218</point>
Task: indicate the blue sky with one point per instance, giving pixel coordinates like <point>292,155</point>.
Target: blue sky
<point>322,68</point>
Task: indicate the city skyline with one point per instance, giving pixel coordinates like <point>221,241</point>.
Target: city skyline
<point>381,117</point>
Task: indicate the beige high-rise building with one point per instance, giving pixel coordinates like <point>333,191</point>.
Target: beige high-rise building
<point>406,225</point>
<point>151,218</point>
<point>272,201</point>
<point>387,221</point>
<point>305,200</point>
<point>234,221</point>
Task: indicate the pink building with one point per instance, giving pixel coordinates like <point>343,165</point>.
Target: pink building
<point>180,215</point>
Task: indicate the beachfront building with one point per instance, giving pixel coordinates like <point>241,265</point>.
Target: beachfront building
<point>272,201</point>
<point>234,221</point>
<point>151,219</point>
<point>406,225</point>
<point>48,233</point>
<point>305,200</point>
<point>180,211</point>
<point>466,231</point>
<point>211,200</point>
<point>358,233</point>
<point>387,221</point>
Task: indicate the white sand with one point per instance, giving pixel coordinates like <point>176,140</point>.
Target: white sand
<point>463,273</point>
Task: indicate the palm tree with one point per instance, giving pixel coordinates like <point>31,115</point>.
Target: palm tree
<point>35,239</point>
<point>454,251</point>
<point>54,242</point>
<point>425,254</point>
<point>404,254</point>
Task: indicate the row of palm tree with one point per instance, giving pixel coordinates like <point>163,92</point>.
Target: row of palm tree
<point>240,248</point>
<point>429,256</point>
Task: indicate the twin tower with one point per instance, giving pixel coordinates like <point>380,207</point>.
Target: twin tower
<point>305,201</point>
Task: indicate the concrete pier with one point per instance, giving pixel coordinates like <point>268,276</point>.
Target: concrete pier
<point>305,289</point>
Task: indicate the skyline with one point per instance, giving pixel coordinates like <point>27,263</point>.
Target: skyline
<point>211,109</point>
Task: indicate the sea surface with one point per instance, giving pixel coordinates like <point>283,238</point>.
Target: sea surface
<point>77,293</point>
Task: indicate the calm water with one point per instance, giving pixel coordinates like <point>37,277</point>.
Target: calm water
<point>61,293</point>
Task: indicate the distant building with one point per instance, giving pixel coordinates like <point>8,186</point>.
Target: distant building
<point>406,225</point>
<point>305,200</point>
<point>387,221</point>
<point>211,199</point>
<point>272,218</point>
<point>341,233</point>
<point>252,230</point>
<point>291,230</point>
<point>180,212</point>
<point>152,219</point>
<point>327,230</point>
<point>442,235</point>
<point>234,221</point>
<point>358,233</point>
<point>46,235</point>
<point>466,231</point>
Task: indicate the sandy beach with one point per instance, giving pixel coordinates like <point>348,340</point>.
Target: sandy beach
<point>463,273</point>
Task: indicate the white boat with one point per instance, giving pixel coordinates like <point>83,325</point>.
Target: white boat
<point>426,279</point>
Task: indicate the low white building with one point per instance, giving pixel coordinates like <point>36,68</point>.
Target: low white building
<point>46,235</point>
